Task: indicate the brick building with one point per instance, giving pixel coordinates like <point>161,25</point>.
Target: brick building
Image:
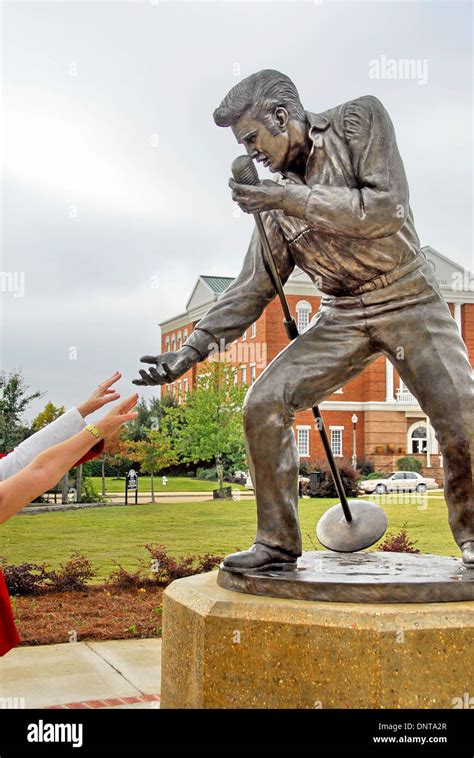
<point>374,415</point>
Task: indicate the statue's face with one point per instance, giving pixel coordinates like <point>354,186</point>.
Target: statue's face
<point>272,150</point>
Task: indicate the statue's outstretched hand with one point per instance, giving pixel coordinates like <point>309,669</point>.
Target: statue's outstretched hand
<point>167,367</point>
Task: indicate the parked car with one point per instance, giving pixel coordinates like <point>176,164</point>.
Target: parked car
<point>399,481</point>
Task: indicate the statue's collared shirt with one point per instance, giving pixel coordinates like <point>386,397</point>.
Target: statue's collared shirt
<point>348,222</point>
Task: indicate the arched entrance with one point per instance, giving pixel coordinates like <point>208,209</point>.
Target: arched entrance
<point>418,439</point>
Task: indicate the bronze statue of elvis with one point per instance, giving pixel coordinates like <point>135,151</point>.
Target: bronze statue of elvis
<point>342,215</point>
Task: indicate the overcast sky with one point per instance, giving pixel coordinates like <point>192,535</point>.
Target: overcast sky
<point>115,192</point>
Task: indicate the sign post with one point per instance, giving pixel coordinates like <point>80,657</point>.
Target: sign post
<point>131,483</point>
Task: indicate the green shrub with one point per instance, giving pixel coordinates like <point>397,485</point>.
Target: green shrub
<point>89,493</point>
<point>409,464</point>
<point>365,467</point>
<point>325,486</point>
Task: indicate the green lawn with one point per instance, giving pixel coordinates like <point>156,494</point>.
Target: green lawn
<point>218,527</point>
<point>175,484</point>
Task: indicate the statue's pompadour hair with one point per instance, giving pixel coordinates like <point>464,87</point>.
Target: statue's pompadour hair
<point>258,95</point>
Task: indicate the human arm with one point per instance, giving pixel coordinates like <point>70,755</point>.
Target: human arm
<point>47,468</point>
<point>64,427</point>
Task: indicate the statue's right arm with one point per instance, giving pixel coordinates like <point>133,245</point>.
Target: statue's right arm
<point>248,295</point>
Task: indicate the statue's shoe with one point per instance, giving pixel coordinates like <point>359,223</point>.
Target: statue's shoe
<point>468,554</point>
<point>258,558</point>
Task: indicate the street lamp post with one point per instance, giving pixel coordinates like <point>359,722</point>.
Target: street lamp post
<point>354,420</point>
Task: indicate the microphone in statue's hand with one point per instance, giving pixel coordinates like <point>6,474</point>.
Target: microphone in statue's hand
<point>244,170</point>
<point>252,195</point>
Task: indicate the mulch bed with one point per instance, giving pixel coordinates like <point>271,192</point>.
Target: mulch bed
<point>101,613</point>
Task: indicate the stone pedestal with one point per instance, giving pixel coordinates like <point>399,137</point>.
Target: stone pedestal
<point>224,649</point>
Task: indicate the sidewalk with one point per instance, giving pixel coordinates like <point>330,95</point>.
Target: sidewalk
<point>110,674</point>
<point>116,498</point>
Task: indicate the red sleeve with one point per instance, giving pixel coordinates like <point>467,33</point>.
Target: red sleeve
<point>9,636</point>
<point>94,452</point>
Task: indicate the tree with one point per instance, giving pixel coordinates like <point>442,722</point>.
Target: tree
<point>115,451</point>
<point>14,400</point>
<point>209,425</point>
<point>149,416</point>
<point>153,453</point>
<point>49,413</point>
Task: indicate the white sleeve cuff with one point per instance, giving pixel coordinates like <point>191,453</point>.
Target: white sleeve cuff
<point>64,427</point>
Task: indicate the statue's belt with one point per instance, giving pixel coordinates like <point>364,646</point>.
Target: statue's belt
<point>383,280</point>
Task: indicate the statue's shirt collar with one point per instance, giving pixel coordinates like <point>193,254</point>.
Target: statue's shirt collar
<point>317,124</point>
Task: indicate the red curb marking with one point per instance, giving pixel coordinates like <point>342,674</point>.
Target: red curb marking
<point>107,703</point>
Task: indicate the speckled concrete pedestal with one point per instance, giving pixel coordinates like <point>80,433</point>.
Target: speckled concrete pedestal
<point>224,649</point>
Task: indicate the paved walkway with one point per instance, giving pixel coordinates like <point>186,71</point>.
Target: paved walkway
<point>111,674</point>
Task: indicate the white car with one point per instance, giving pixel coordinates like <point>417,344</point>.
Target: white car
<point>399,481</point>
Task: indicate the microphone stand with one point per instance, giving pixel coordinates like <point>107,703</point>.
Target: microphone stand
<point>244,172</point>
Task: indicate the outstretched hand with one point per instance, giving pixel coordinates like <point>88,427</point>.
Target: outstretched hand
<point>166,367</point>
<point>101,396</point>
<point>120,414</point>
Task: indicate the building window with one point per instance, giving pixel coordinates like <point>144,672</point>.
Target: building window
<point>185,335</point>
<point>186,386</point>
<point>244,374</point>
<point>180,339</point>
<point>253,373</point>
<point>235,375</point>
<point>179,389</point>
<point>173,343</point>
<point>419,440</point>
<point>167,344</point>
<point>336,440</point>
<point>244,336</point>
<point>303,310</point>
<point>302,441</point>
<point>253,329</point>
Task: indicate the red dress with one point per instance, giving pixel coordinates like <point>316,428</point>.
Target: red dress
<point>9,636</point>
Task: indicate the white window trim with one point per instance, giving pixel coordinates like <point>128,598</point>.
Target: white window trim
<point>253,329</point>
<point>244,336</point>
<point>432,442</point>
<point>336,429</point>
<point>302,306</point>
<point>303,427</point>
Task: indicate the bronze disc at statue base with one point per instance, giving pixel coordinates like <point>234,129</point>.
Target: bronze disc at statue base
<point>368,525</point>
<point>374,577</point>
